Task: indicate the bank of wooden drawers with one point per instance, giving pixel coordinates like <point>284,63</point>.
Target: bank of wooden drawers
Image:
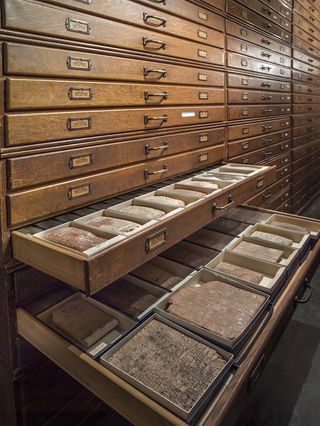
<point>308,46</point>
<point>261,155</point>
<point>236,96</point>
<point>303,88</point>
<point>302,151</point>
<point>280,199</point>
<point>279,26</point>
<point>306,68</point>
<point>283,172</point>
<point>252,111</point>
<point>306,99</point>
<point>29,128</point>
<point>280,162</point>
<point>305,58</point>
<point>305,78</point>
<point>242,62</point>
<point>307,120</point>
<point>262,199</point>
<point>241,131</point>
<point>307,10</point>
<point>36,61</point>
<point>306,26</point>
<point>36,17</point>
<point>257,83</point>
<point>39,169</point>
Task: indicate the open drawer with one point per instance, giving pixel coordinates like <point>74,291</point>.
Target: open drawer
<point>113,254</point>
<point>139,408</point>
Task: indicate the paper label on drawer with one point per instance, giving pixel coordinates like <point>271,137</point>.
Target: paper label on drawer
<point>79,191</point>
<point>203,138</point>
<point>156,240</point>
<point>203,157</point>
<point>80,161</point>
<point>202,34</point>
<point>202,16</point>
<point>260,182</point>
<point>79,123</point>
<point>98,348</point>
<point>76,26</point>
<point>188,114</point>
<point>203,95</point>
<point>202,77</point>
<point>203,114</point>
<point>78,64</point>
<point>202,53</point>
<point>78,93</point>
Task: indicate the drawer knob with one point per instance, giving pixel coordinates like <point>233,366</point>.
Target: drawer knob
<point>162,95</point>
<point>153,44</point>
<point>267,127</point>
<point>267,153</point>
<point>267,111</point>
<point>160,73</point>
<point>163,118</point>
<point>264,68</point>
<point>148,173</point>
<point>163,147</point>
<point>266,140</point>
<point>153,20</point>
<point>229,204</point>
<point>267,11</point>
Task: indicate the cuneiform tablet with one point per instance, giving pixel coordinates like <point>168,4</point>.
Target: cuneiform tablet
<point>127,297</point>
<point>239,272</point>
<point>112,224</point>
<point>261,252</point>
<point>272,238</point>
<point>290,226</point>
<point>216,306</point>
<point>77,239</point>
<point>83,321</point>
<point>169,201</point>
<point>153,273</point>
<point>142,211</point>
<point>202,184</point>
<point>185,192</point>
<point>176,366</point>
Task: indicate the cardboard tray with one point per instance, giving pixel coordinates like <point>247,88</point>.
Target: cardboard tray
<point>312,225</point>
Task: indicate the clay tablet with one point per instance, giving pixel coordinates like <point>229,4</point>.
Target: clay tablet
<point>127,297</point>
<point>255,250</point>
<point>156,275</point>
<point>290,226</point>
<point>216,306</point>
<point>239,272</point>
<point>203,184</point>
<point>172,202</point>
<point>112,224</point>
<point>272,238</point>
<point>83,321</point>
<point>170,363</point>
<point>143,212</point>
<point>77,239</point>
<point>185,192</point>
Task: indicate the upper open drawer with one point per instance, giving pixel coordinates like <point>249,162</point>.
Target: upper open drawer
<point>91,252</point>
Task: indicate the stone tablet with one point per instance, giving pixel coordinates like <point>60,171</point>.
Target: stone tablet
<point>216,306</point>
<point>83,321</point>
<point>185,192</point>
<point>156,275</point>
<point>261,252</point>
<point>74,238</point>
<point>176,366</point>
<point>272,238</point>
<point>143,212</point>
<point>112,224</point>
<point>239,272</point>
<point>172,202</point>
<point>203,184</point>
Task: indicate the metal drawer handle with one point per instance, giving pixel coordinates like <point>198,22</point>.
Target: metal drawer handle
<point>311,30</point>
<point>163,118</point>
<point>265,84</point>
<point>265,41</point>
<point>147,172</point>
<point>265,55</point>
<point>162,95</point>
<point>159,44</point>
<point>266,140</point>
<point>265,127</point>
<point>264,68</point>
<point>266,111</point>
<point>309,291</point>
<point>229,204</point>
<point>309,90</point>
<point>159,1</point>
<point>266,24</point>
<point>310,69</point>
<point>148,148</point>
<point>310,39</point>
<point>267,195</point>
<point>158,21</point>
<point>267,152</point>
<point>267,10</point>
<point>266,98</point>
<point>162,73</point>
<point>310,60</point>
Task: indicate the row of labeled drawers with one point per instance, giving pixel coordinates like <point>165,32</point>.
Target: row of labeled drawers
<point>44,19</point>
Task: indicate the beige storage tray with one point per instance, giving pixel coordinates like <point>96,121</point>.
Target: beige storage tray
<point>124,324</point>
<point>157,204</point>
<point>188,199</point>
<point>203,276</point>
<point>176,269</point>
<point>111,239</point>
<point>298,238</point>
<point>312,226</point>
<point>289,253</point>
<point>273,275</point>
<point>192,184</point>
<point>222,183</point>
<point>240,169</point>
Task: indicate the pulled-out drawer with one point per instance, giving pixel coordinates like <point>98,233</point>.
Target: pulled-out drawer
<point>95,268</point>
<point>52,21</point>
<point>241,131</point>
<point>33,170</point>
<point>29,128</point>
<point>38,61</point>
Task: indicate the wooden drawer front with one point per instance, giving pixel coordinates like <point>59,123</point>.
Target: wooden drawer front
<point>310,6</point>
<point>306,26</point>
<point>309,120</point>
<point>305,108</point>
<point>301,66</point>
<point>285,207</point>
<point>307,10</point>
<point>46,201</point>
<point>148,17</point>
<point>235,80</point>
<point>244,33</point>
<point>253,18</point>
<point>303,88</point>
<point>261,155</point>
<point>247,145</point>
<point>302,140</point>
<point>305,182</point>
<point>281,161</point>
<point>305,58</point>
<point>302,151</point>
<point>309,47</point>
<point>239,46</point>
<point>303,171</point>
<point>280,199</point>
<point>34,128</point>
<point>55,22</point>
<point>254,97</point>
<point>254,129</point>
<point>48,94</point>
<point>263,197</point>
<point>303,161</point>
<point>283,172</point>
<point>39,169</point>
<point>238,112</point>
<point>297,99</point>
<point>249,64</point>
<point>310,39</point>
<point>90,274</point>
<point>219,4</point>
<point>306,131</point>
<point>279,7</point>
<point>35,61</point>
